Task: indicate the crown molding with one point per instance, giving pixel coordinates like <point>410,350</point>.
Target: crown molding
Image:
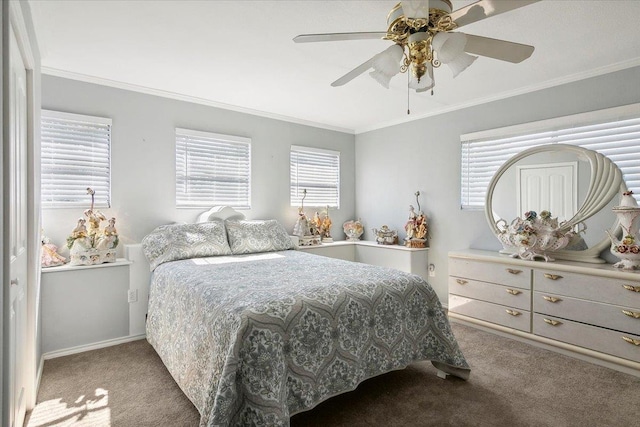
<point>186,98</point>
<point>196,100</point>
<point>527,89</point>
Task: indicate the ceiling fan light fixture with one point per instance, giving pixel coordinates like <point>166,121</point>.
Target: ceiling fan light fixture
<point>422,77</point>
<point>460,63</point>
<point>388,61</point>
<point>381,78</point>
<point>417,9</point>
<point>449,45</point>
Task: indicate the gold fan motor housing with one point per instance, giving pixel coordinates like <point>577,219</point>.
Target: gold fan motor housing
<point>400,29</point>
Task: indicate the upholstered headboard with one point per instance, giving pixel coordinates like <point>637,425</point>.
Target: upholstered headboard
<point>220,213</point>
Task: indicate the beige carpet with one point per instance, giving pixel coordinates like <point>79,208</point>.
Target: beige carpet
<point>512,384</point>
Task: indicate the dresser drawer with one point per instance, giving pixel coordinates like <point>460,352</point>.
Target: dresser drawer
<point>587,336</point>
<point>494,313</point>
<point>505,295</point>
<point>503,274</point>
<point>606,315</point>
<point>611,291</point>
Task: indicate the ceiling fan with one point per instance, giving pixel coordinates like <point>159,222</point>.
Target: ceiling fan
<point>424,38</point>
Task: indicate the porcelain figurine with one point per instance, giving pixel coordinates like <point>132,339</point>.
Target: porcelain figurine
<point>626,248</point>
<point>353,230</point>
<point>325,227</point>
<point>534,236</point>
<point>50,256</point>
<point>93,245</point>
<point>385,236</point>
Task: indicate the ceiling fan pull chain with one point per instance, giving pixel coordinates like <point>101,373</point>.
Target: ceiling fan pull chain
<point>408,93</point>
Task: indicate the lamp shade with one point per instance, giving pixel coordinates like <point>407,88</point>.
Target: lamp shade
<point>381,78</point>
<point>416,8</point>
<point>387,64</point>
<point>425,82</point>
<point>388,61</point>
<point>460,63</point>
<point>449,45</point>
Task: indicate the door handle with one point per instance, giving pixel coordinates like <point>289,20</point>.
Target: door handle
<point>14,282</point>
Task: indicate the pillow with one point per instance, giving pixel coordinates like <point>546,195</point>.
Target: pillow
<point>247,237</point>
<point>182,241</point>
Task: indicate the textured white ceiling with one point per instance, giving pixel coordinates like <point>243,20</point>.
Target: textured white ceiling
<point>240,54</point>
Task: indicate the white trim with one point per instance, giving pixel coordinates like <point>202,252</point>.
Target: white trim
<point>211,135</point>
<point>93,346</point>
<point>61,115</point>
<point>187,98</point>
<point>563,122</point>
<point>623,65</point>
<point>39,376</point>
<point>521,91</point>
<point>314,150</point>
<point>22,35</point>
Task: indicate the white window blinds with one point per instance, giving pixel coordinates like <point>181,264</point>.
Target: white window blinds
<point>614,133</point>
<point>317,171</point>
<point>212,169</point>
<point>75,154</point>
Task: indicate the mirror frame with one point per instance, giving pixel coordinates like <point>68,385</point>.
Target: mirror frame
<point>605,182</point>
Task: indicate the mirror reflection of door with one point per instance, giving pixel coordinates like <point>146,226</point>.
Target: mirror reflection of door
<point>551,187</point>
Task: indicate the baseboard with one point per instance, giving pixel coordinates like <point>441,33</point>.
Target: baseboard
<point>89,347</point>
<point>38,377</point>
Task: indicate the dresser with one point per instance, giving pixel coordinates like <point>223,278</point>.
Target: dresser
<point>591,311</point>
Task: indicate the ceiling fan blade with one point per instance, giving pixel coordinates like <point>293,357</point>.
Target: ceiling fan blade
<point>484,9</point>
<point>332,37</point>
<point>498,49</point>
<point>353,73</point>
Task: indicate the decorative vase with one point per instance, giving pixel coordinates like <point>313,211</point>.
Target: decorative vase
<point>626,248</point>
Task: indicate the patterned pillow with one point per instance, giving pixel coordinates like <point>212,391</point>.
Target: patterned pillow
<point>182,241</point>
<point>247,237</point>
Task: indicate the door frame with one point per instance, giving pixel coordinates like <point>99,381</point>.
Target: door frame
<point>14,20</point>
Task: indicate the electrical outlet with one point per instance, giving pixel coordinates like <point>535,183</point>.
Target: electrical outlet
<point>132,295</point>
<point>432,270</point>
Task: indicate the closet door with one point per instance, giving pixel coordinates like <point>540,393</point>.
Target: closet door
<point>17,186</point>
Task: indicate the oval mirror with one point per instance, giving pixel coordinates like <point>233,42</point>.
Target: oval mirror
<point>577,185</point>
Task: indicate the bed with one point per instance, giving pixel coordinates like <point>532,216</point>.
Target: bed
<point>254,331</point>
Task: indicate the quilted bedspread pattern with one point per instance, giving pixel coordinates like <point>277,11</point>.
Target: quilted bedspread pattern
<point>254,339</point>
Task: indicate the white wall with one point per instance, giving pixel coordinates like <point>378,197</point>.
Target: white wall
<point>143,157</point>
<point>392,163</point>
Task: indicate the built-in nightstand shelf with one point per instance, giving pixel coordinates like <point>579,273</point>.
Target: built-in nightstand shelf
<point>410,260</point>
<point>82,305</point>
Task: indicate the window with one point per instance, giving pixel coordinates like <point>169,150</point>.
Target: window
<point>75,154</point>
<point>212,169</point>
<point>317,171</point>
<point>614,133</point>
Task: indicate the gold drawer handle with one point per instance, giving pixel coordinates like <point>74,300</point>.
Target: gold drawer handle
<point>461,282</point>
<point>632,288</point>
<point>551,299</point>
<point>552,322</point>
<point>513,292</point>
<point>631,341</point>
<point>634,314</point>
<point>514,271</point>
<point>552,276</point>
<point>513,312</point>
